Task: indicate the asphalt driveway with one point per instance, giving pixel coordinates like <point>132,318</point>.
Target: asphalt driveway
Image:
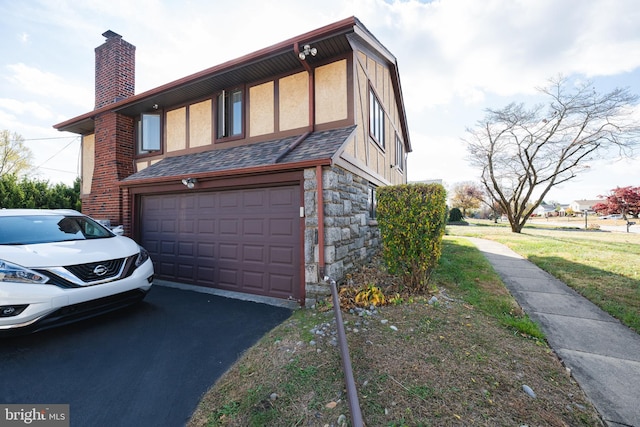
<point>147,365</point>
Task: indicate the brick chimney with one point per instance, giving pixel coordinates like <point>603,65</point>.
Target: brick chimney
<point>115,69</point>
<point>114,133</point>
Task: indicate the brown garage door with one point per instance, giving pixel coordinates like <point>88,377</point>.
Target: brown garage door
<point>241,240</point>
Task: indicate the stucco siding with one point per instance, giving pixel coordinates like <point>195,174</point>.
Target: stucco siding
<point>88,161</point>
<point>200,127</point>
<point>261,109</point>
<point>293,101</point>
<point>176,129</point>
<point>331,92</point>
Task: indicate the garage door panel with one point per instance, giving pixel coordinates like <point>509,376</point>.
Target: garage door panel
<point>165,268</point>
<point>206,250</point>
<point>253,280</point>
<point>229,226</point>
<point>280,284</point>
<point>205,276</point>
<point>281,227</point>
<point>282,198</point>
<point>187,226</point>
<point>229,199</point>
<point>254,198</point>
<point>186,248</point>
<point>186,270</point>
<point>168,225</point>
<point>228,251</point>
<point>244,240</point>
<point>206,226</point>
<point>253,253</point>
<point>167,247</point>
<point>228,278</point>
<point>168,203</point>
<point>253,227</point>
<point>153,225</point>
<point>281,255</point>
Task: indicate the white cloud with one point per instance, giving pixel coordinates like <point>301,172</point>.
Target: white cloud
<point>45,84</point>
<point>31,108</point>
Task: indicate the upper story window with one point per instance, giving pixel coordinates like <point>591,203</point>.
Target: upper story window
<point>376,119</point>
<point>148,133</point>
<point>229,120</point>
<point>399,153</point>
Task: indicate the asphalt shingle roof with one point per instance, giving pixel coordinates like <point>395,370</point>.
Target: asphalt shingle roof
<point>317,146</point>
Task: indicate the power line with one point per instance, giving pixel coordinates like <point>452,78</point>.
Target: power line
<point>59,151</point>
<point>45,139</point>
<point>42,139</point>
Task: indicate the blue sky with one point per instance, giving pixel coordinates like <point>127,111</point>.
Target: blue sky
<point>456,58</point>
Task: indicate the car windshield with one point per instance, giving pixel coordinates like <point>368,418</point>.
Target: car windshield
<point>32,229</point>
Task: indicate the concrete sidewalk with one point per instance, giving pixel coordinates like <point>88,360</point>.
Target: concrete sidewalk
<point>602,354</point>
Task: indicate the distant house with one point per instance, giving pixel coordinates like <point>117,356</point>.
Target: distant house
<point>257,175</point>
<point>584,205</point>
<point>545,210</point>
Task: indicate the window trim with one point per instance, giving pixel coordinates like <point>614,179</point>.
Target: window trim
<point>229,119</point>
<point>377,115</point>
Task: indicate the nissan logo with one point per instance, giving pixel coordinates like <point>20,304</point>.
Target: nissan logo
<point>100,270</point>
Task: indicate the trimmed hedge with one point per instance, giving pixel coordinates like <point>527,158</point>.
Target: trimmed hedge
<point>412,221</point>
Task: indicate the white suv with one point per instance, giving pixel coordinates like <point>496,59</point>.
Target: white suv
<point>60,266</point>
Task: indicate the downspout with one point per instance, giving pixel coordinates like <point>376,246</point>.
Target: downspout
<point>320,206</point>
<point>319,189</point>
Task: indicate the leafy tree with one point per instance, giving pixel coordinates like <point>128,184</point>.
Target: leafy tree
<point>621,200</point>
<point>15,156</point>
<point>466,196</point>
<point>11,194</point>
<point>36,194</point>
<point>524,152</point>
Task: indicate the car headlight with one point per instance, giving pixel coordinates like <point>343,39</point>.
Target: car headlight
<point>10,272</point>
<point>142,257</point>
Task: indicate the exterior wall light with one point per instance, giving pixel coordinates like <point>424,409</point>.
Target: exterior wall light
<point>189,182</point>
<point>308,50</point>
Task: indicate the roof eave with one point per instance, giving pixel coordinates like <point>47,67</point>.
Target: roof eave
<point>81,123</point>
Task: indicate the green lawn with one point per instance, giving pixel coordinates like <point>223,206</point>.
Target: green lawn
<point>602,266</point>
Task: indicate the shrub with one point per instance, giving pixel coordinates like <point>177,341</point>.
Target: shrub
<point>412,222</point>
<point>455,215</point>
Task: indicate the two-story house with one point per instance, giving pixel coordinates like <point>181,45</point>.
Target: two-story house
<point>257,175</point>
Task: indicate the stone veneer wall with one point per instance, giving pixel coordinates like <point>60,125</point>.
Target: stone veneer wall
<point>351,237</point>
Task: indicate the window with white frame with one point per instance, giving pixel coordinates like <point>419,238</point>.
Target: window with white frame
<point>376,119</point>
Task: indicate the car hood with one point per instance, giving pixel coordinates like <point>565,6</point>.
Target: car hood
<point>74,252</point>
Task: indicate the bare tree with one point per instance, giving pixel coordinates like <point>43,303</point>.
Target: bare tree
<point>466,196</point>
<point>15,156</point>
<point>523,153</point>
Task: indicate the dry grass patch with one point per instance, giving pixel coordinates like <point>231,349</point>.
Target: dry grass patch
<point>447,363</point>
